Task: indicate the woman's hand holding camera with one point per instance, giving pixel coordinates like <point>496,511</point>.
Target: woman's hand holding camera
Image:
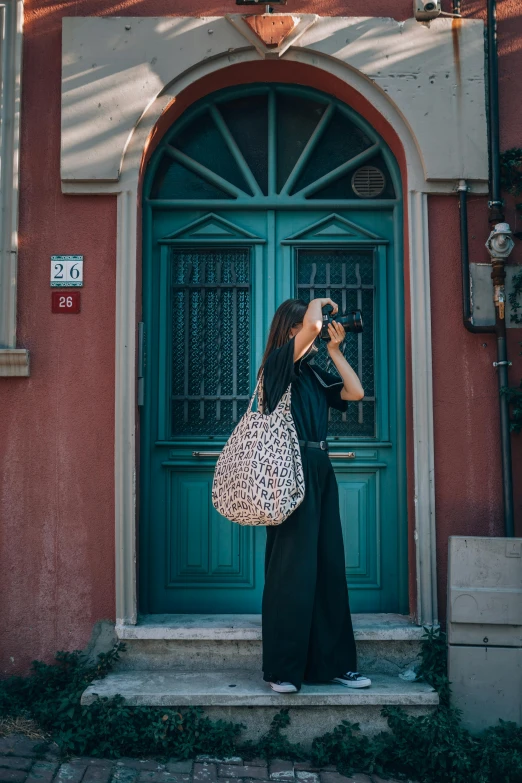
<point>337,334</point>
<point>313,319</point>
<point>328,301</point>
<point>352,389</point>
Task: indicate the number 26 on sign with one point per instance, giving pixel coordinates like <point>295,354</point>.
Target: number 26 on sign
<point>65,301</point>
<point>66,271</point>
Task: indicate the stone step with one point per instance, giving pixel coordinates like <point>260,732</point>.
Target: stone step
<point>386,643</point>
<point>240,687</point>
<point>231,695</point>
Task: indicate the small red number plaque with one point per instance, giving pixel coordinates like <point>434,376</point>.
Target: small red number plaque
<point>65,301</point>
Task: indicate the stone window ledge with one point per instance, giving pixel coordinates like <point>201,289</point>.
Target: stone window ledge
<point>14,362</point>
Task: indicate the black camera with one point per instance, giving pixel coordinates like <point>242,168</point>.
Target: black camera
<point>352,322</point>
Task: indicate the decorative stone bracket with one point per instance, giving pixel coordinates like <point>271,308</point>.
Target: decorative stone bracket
<point>272,34</point>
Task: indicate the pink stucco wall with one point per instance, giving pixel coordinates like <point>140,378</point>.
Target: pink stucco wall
<point>57,427</point>
<point>465,395</point>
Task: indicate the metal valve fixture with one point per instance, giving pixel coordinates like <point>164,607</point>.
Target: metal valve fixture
<point>500,242</point>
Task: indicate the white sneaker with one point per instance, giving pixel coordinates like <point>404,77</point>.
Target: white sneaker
<point>283,687</point>
<point>353,680</point>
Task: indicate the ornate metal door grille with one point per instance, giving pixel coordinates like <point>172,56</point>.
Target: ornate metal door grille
<point>347,277</point>
<point>211,308</point>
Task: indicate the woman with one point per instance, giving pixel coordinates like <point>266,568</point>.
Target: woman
<point>307,627</point>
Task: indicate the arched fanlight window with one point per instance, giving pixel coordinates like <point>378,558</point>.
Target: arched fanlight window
<point>271,142</point>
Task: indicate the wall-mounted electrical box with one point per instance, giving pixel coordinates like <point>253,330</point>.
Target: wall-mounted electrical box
<point>485,628</point>
<point>481,291</point>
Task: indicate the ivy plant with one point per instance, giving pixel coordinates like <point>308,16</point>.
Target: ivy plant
<point>432,748</point>
<point>511,171</point>
<point>514,393</point>
<point>511,181</point>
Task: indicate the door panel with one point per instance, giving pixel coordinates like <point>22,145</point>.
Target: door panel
<point>204,552</point>
<point>357,502</point>
<point>354,273</point>
<point>200,352</point>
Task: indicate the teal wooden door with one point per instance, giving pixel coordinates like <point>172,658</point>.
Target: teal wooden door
<point>256,195</point>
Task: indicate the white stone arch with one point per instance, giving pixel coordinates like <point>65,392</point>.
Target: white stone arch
<point>127,188</point>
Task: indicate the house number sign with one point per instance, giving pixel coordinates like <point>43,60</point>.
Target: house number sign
<point>66,271</point>
<point>65,301</point>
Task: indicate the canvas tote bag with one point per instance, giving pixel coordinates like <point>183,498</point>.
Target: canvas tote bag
<point>259,477</point>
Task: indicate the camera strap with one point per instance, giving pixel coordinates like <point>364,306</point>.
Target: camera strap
<point>323,382</point>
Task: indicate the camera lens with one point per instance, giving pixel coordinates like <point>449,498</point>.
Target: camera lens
<point>352,322</point>
<point>430,6</point>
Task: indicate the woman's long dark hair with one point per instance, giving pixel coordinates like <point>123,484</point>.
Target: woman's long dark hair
<point>290,313</point>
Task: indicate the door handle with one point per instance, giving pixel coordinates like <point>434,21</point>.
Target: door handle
<point>142,352</point>
<point>336,455</point>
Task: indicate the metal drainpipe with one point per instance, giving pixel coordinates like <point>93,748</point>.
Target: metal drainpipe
<point>498,273</point>
<point>496,204</point>
<point>500,244</point>
<point>499,256</point>
<point>464,260</point>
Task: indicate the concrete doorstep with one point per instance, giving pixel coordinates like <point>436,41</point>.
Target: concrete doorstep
<point>215,662</point>
<point>231,696</point>
<point>27,761</point>
<point>386,643</point>
<point>245,688</point>
<point>247,627</point>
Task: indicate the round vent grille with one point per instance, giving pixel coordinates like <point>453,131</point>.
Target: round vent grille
<point>368,182</point>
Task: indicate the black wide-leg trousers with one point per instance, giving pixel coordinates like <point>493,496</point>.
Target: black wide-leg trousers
<point>307,627</point>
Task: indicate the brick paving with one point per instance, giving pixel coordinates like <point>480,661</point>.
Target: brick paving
<point>26,761</point>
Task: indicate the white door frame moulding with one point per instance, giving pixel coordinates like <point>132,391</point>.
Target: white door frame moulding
<point>127,189</point>
<point>13,361</point>
<point>422,396</point>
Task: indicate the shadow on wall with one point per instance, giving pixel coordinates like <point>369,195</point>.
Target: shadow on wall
<point>49,18</point>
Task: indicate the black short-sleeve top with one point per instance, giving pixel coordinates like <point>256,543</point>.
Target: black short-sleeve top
<point>313,390</point>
